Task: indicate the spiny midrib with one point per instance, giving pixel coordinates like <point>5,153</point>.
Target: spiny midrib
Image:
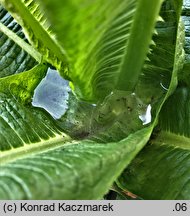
<point>32,24</point>
<point>20,42</point>
<point>35,148</point>
<point>127,80</point>
<point>171,139</point>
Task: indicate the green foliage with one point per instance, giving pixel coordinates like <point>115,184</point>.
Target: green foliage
<point>22,85</point>
<point>78,170</point>
<point>128,58</point>
<point>103,43</point>
<point>165,161</point>
<point>29,16</point>
<point>13,58</point>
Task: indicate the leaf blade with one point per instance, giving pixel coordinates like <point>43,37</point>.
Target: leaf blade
<point>141,30</point>
<point>13,58</point>
<point>29,16</point>
<point>67,179</point>
<point>161,170</point>
<point>99,46</point>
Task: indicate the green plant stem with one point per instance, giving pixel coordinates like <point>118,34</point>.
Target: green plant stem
<point>138,43</point>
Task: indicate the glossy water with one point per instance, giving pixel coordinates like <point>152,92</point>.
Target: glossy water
<point>145,116</point>
<point>120,114</point>
<point>52,94</point>
<point>123,105</point>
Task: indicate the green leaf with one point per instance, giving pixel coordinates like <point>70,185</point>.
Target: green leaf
<point>104,33</point>
<point>13,59</point>
<point>25,46</point>
<point>37,159</point>
<point>111,121</point>
<point>118,115</point>
<point>22,86</point>
<point>78,170</point>
<point>179,104</point>
<point>154,173</point>
<point>22,126</point>
<point>161,170</point>
<point>157,71</point>
<point>140,37</point>
<point>35,26</point>
<point>184,76</point>
<point>33,144</point>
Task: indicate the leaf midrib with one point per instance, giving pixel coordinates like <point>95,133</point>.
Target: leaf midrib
<point>29,149</point>
<point>31,22</point>
<point>25,46</point>
<point>145,21</point>
<point>172,139</point>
